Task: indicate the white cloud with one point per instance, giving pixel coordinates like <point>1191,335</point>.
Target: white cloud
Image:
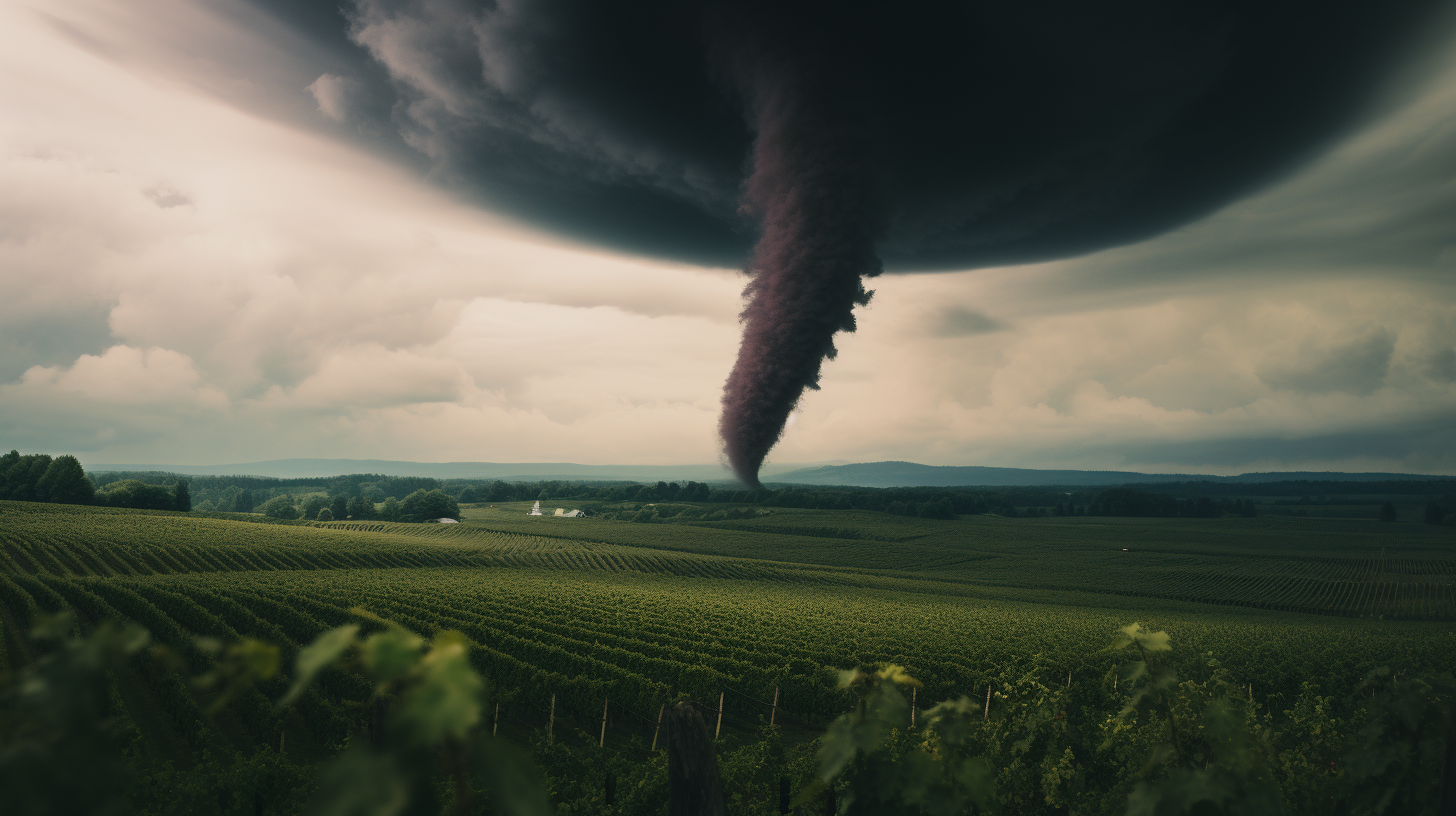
<point>331,93</point>
<point>126,377</point>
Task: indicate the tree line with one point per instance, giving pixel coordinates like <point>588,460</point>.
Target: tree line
<point>37,477</point>
<point>376,496</point>
<point>420,505</point>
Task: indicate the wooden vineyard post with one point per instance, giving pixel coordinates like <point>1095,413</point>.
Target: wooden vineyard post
<point>719,727</point>
<point>551,723</point>
<point>774,712</point>
<point>495,719</point>
<point>986,715</point>
<point>1069,678</point>
<point>912,706</point>
<point>658,729</point>
<point>602,741</point>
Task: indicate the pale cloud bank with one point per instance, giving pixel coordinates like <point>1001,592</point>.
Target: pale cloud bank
<point>188,278</point>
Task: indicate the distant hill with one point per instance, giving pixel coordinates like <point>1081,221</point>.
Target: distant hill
<point>505,471</point>
<point>910,474</point>
<point>865,474</point>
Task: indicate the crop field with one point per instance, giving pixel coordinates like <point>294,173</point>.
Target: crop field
<point>588,608</point>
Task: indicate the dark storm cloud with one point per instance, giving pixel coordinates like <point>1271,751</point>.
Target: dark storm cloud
<point>1356,367</point>
<point>830,136</point>
<point>1423,444</point>
<point>1006,132</point>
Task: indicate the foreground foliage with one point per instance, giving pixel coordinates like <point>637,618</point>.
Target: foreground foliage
<point>1175,747</point>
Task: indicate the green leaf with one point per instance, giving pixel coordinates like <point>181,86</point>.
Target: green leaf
<point>897,674</point>
<point>391,655</point>
<point>315,657</point>
<point>361,783</point>
<point>809,793</point>
<point>512,776</point>
<point>448,699</point>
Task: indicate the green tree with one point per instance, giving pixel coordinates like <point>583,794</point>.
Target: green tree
<point>279,507</point>
<point>360,508</point>
<point>183,496</point>
<point>339,508</point>
<point>499,491</point>
<point>137,495</point>
<point>391,510</point>
<point>244,502</point>
<point>326,514</point>
<point>65,482</point>
<point>22,478</point>
<point>425,505</point>
<point>312,504</point>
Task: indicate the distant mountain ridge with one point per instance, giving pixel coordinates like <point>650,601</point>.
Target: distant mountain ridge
<point>864,474</point>
<point>910,474</point>
<point>505,471</point>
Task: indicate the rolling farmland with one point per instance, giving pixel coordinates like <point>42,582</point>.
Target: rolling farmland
<point>585,616</point>
<point>648,610</point>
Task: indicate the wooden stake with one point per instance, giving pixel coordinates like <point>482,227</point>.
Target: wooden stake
<point>551,723</point>
<point>495,720</point>
<point>986,715</point>
<point>772,715</point>
<point>601,743</point>
<point>719,727</point>
<point>281,735</point>
<point>658,729</point>
<point>912,705</point>
<point>1069,678</point>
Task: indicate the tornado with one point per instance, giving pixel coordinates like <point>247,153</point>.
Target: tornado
<point>814,195</point>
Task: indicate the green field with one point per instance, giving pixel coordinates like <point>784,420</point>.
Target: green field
<point>586,609</point>
<point>646,610</point>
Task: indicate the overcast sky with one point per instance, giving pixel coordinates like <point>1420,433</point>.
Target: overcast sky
<point>203,261</point>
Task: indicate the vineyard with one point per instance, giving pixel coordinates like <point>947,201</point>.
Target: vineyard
<point>577,615</point>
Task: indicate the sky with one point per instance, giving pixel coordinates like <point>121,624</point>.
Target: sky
<point>209,255</point>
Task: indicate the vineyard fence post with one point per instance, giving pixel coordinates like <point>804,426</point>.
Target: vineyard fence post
<point>495,719</point>
<point>986,715</point>
<point>658,729</point>
<point>551,723</point>
<point>719,727</point>
<point>774,712</point>
<point>912,706</point>
<point>602,741</point>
